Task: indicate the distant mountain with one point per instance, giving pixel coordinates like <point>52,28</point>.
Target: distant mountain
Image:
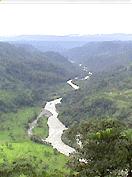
<point>74,37</point>
<point>56,46</point>
<point>62,43</point>
<point>102,56</point>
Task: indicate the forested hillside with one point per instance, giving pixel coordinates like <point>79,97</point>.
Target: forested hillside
<point>106,94</point>
<point>102,56</point>
<point>99,121</point>
<point>27,74</point>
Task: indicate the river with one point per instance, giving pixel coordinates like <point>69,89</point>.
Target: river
<point>74,86</point>
<point>56,127</point>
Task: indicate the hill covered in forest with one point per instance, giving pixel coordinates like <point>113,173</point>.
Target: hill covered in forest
<point>28,74</point>
<point>106,94</point>
<point>102,55</point>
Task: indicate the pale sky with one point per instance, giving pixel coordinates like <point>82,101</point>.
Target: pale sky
<point>63,19</point>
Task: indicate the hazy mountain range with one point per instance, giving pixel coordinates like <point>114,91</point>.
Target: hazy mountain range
<point>62,43</point>
<point>72,37</point>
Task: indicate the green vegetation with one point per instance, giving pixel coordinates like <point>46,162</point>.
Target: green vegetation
<point>25,157</point>
<point>41,130</point>
<point>29,78</point>
<point>31,159</point>
<point>104,95</point>
<point>106,149</point>
<point>20,156</point>
<point>14,125</point>
<point>101,56</point>
<point>99,113</point>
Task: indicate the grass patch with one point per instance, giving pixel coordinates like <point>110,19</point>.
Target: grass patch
<point>43,155</point>
<point>41,129</point>
<point>13,126</point>
<point>16,149</point>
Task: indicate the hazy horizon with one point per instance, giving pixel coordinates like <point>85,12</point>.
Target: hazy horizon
<point>72,35</point>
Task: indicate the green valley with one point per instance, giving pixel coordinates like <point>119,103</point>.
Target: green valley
<point>97,115</point>
<point>28,79</point>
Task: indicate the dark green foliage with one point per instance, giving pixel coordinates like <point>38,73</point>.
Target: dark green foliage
<point>104,95</point>
<point>28,75</point>
<point>24,166</point>
<point>104,148</point>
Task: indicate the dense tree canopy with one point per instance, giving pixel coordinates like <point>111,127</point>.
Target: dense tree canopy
<point>105,149</point>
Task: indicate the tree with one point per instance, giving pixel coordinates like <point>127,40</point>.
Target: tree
<point>104,149</point>
<point>128,137</point>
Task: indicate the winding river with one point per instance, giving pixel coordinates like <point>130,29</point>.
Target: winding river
<point>56,127</point>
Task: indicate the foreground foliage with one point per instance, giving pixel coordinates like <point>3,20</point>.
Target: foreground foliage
<point>32,160</point>
<point>105,150</point>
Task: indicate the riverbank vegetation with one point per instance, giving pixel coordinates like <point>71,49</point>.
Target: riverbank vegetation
<point>14,125</point>
<point>41,130</point>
